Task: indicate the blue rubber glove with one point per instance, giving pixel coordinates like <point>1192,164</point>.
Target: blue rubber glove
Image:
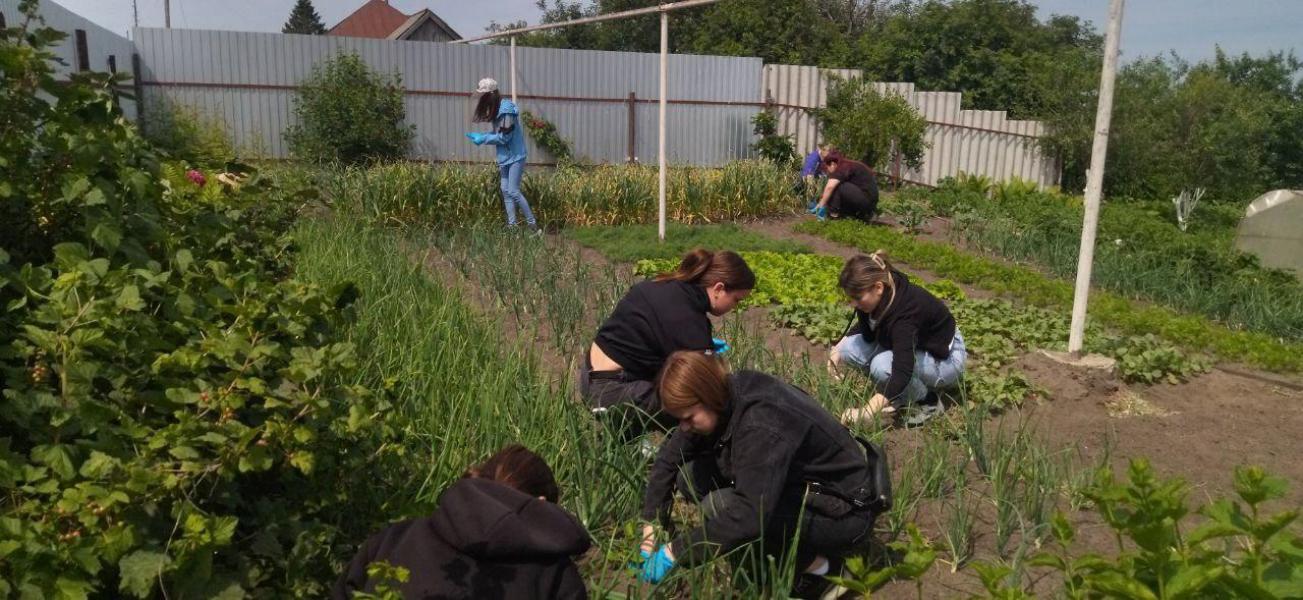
<point>655,566</point>
<point>810,207</point>
<point>721,346</point>
<point>821,213</point>
<point>476,138</point>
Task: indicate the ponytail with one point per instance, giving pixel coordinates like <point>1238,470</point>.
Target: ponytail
<point>705,268</point>
<point>862,272</point>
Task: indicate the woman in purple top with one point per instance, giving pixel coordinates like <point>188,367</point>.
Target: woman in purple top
<point>812,168</point>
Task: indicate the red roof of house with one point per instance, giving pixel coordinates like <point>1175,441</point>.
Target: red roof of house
<point>375,19</point>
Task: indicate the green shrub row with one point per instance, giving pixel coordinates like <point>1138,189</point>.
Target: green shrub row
<point>1141,251</point>
<point>1110,309</point>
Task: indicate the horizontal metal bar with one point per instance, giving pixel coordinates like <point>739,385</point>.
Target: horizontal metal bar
<point>929,122</point>
<point>663,8</point>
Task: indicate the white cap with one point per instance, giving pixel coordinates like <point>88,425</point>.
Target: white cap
<point>486,85</point>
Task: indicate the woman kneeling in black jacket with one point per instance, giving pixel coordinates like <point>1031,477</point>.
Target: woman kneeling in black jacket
<point>497,533</point>
<point>767,461</point>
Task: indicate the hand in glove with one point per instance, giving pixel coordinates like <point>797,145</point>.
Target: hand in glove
<point>720,346</point>
<point>655,566</point>
<point>476,138</point>
<point>821,213</point>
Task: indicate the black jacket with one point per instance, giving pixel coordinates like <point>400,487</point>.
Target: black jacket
<point>654,320</point>
<point>772,441</point>
<point>915,320</point>
<point>484,541</point>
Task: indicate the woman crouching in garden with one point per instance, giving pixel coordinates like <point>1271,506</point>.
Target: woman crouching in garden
<point>904,338</point>
<point>766,463</point>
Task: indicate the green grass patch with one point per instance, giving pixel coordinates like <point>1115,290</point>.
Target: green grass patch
<point>629,243</point>
<point>781,278</point>
<point>1127,316</point>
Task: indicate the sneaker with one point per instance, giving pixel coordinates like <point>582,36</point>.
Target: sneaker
<point>818,587</point>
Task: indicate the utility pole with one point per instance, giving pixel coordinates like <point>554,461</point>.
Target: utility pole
<point>167,14</point>
<point>1095,178</point>
<point>135,15</point>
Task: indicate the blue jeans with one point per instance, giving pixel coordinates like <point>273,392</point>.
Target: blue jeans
<point>511,197</point>
<point>930,374</point>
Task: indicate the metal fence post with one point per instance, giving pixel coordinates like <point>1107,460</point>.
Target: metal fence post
<point>633,128</point>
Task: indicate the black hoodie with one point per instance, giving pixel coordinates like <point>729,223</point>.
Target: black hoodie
<point>915,320</point>
<point>484,541</point>
<point>772,441</point>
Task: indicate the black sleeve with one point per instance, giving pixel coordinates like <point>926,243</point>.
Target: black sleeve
<point>569,584</point>
<point>904,336</point>
<point>762,459</point>
<point>690,334</point>
<point>680,448</point>
<point>354,578</point>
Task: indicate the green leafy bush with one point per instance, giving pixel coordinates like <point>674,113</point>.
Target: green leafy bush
<point>187,133</point>
<point>771,146</point>
<point>348,113</point>
<point>544,133</point>
<point>173,420</point>
<point>865,124</point>
<point>1239,551</point>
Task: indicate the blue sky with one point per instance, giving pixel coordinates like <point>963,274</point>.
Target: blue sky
<point>1190,27</point>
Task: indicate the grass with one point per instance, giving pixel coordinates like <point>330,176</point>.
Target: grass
<point>1025,284</point>
<point>630,243</point>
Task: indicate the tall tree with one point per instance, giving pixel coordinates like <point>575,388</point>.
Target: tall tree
<point>304,19</point>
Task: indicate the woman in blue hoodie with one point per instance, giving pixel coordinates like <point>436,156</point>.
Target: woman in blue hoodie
<point>510,141</point>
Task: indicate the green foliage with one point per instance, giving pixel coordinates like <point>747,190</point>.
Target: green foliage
<point>304,20</point>
<point>771,146</point>
<point>1220,124</point>
<point>175,415</point>
<point>1124,315</point>
<point>1146,359</point>
<point>867,125</point>
<point>916,557</point>
<point>819,323</point>
<point>1140,253</point>
<point>996,51</point>
<point>389,579</point>
<point>348,113</point>
<point>629,243</point>
<point>187,133</point>
<point>1240,551</point>
<point>780,278</point>
<point>415,194</point>
<point>544,133</point>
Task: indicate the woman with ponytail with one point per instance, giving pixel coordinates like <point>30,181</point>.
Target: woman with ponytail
<point>766,463</point>
<point>655,319</point>
<point>904,338</point>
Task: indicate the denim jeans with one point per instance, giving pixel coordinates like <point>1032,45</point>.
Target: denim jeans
<point>930,374</point>
<point>511,197</point>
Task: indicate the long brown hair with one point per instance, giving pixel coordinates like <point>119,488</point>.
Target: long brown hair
<point>862,272</point>
<point>486,109</point>
<point>705,268</point>
<point>518,467</point>
<point>690,378</point>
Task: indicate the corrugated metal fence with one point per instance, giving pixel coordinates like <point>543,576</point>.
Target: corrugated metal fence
<point>88,46</point>
<point>981,142</point>
<point>250,78</point>
<point>603,102</point>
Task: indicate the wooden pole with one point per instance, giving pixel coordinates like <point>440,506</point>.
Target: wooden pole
<point>665,52</point>
<point>1095,179</point>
